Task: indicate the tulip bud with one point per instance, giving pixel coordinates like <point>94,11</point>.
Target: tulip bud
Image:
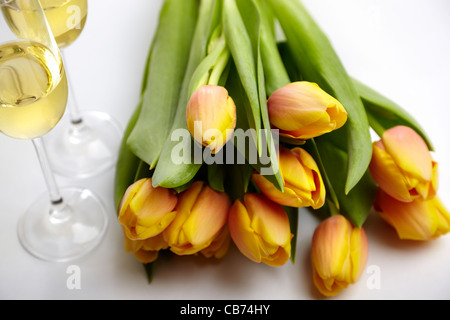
<point>260,229</point>
<point>201,216</point>
<point>415,220</point>
<point>146,251</point>
<point>302,110</point>
<point>303,184</point>
<point>211,116</point>
<point>402,165</point>
<point>146,211</point>
<point>339,254</point>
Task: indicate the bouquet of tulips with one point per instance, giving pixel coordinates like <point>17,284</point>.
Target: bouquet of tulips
<point>236,130</point>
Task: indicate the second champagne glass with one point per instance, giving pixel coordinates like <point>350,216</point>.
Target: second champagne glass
<point>63,224</point>
<point>89,144</point>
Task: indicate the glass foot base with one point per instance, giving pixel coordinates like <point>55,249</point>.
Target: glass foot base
<point>84,149</point>
<point>73,229</point>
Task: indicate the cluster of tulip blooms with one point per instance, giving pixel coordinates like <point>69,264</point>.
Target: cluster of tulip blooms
<point>236,76</point>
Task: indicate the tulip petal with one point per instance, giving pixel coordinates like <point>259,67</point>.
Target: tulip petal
<point>242,233</point>
<point>416,220</point>
<point>359,250</point>
<point>211,116</point>
<point>296,105</point>
<point>207,217</point>
<point>387,175</point>
<point>219,247</point>
<point>409,151</point>
<point>269,220</point>
<point>330,246</point>
<point>185,203</point>
<point>328,287</point>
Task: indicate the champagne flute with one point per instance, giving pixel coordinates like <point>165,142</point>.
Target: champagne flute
<point>66,223</point>
<point>89,144</point>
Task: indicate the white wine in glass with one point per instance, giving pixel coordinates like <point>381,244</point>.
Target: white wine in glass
<point>66,18</point>
<point>63,224</point>
<point>33,90</point>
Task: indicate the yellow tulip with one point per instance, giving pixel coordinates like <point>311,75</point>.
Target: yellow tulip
<point>146,251</point>
<point>416,220</point>
<point>302,110</point>
<point>201,216</point>
<point>260,229</point>
<point>146,211</point>
<point>339,254</point>
<point>402,165</point>
<point>211,116</point>
<point>303,184</point>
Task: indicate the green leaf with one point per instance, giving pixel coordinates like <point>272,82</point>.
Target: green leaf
<point>384,113</point>
<point>244,39</point>
<point>241,48</point>
<point>166,70</point>
<point>127,162</point>
<point>318,62</point>
<point>289,62</point>
<point>275,72</point>
<point>167,173</point>
<point>292,214</point>
<point>237,180</point>
<point>149,270</point>
<point>357,203</point>
<point>216,177</point>
<point>244,139</point>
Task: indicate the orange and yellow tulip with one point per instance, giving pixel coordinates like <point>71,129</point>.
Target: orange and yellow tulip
<point>260,229</point>
<point>402,165</point>
<point>415,220</point>
<point>211,116</point>
<point>303,184</point>
<point>146,211</point>
<point>302,110</point>
<point>339,254</point>
<point>201,216</point>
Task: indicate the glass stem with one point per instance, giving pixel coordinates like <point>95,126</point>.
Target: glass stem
<point>58,212</point>
<point>74,111</point>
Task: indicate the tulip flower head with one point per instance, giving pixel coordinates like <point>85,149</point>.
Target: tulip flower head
<point>260,229</point>
<point>211,116</point>
<point>415,220</point>
<point>302,110</point>
<point>402,165</point>
<point>146,211</point>
<point>303,184</point>
<point>201,216</point>
<point>339,254</point>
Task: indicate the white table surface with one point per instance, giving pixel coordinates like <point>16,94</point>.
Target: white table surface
<point>399,47</point>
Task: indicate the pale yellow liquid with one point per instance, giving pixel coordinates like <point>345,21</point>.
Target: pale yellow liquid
<point>33,90</point>
<point>66,18</point>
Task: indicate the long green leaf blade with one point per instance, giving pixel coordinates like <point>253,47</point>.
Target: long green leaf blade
<point>166,70</point>
<point>240,45</point>
<point>318,62</point>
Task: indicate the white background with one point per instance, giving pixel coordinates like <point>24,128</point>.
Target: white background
<point>399,47</point>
